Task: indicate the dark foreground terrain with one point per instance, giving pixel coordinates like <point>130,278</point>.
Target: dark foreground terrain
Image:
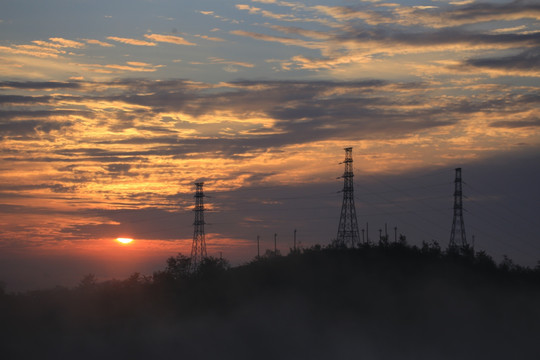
<point>377,302</point>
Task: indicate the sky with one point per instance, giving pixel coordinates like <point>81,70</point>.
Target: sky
<point>110,111</point>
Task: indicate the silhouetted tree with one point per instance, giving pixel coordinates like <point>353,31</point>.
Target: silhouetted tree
<point>467,252</point>
<point>432,249</point>
<point>293,251</point>
<point>88,282</point>
<point>402,239</point>
<point>484,260</point>
<point>314,248</point>
<point>335,244</point>
<point>137,279</point>
<point>178,267</point>
<point>268,254</point>
<point>400,299</point>
<point>507,264</point>
<point>211,266</point>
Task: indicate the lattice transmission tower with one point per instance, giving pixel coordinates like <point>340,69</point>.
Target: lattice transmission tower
<point>198,248</point>
<point>348,234</point>
<point>457,234</point>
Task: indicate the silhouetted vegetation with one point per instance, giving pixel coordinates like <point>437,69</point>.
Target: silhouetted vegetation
<point>384,301</point>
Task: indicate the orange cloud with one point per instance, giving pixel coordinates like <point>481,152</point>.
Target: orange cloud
<point>228,62</point>
<point>210,38</point>
<point>169,39</point>
<point>343,13</point>
<point>131,41</point>
<point>67,43</point>
<point>97,42</point>
<point>282,17</point>
<point>133,66</point>
<point>279,39</point>
<point>32,50</point>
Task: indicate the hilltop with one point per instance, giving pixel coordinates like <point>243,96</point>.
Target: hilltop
<point>376,302</point>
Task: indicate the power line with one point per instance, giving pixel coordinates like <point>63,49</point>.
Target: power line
<point>502,206</point>
<point>412,212</point>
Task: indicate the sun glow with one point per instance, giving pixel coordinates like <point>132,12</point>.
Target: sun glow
<point>124,240</point>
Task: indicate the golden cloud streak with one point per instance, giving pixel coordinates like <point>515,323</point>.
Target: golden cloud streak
<point>210,38</point>
<point>97,42</point>
<point>229,62</point>
<point>37,51</point>
<point>169,39</point>
<point>131,41</point>
<point>132,66</point>
<point>67,43</point>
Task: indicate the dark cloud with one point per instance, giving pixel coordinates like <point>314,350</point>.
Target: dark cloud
<point>26,128</point>
<point>73,159</point>
<point>396,35</point>
<point>487,11</point>
<point>305,111</point>
<point>302,112</point>
<point>19,99</point>
<point>445,36</point>
<point>184,148</point>
<point>446,15</point>
<point>141,140</point>
<point>31,210</point>
<point>25,114</point>
<point>245,96</point>
<point>39,85</point>
<point>527,60</point>
<point>59,188</point>
<point>156,129</point>
<point>144,85</point>
<point>516,123</point>
<point>120,170</point>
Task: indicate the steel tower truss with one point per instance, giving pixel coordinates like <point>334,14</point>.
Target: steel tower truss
<point>198,248</point>
<point>348,234</point>
<point>457,234</point>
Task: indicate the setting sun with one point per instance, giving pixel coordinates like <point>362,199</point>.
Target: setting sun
<point>124,240</point>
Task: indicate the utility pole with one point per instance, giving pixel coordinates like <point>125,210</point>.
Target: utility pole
<point>367,232</point>
<point>198,247</point>
<point>258,247</point>
<point>395,234</point>
<point>348,234</point>
<point>275,243</point>
<point>294,240</point>
<point>458,227</point>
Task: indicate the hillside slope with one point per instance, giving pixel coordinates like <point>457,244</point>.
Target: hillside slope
<point>376,302</point>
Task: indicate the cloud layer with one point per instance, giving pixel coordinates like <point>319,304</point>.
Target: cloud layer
<point>110,125</point>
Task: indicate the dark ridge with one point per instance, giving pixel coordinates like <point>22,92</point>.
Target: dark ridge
<point>389,301</point>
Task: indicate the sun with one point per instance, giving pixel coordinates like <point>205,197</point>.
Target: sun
<point>124,240</point>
